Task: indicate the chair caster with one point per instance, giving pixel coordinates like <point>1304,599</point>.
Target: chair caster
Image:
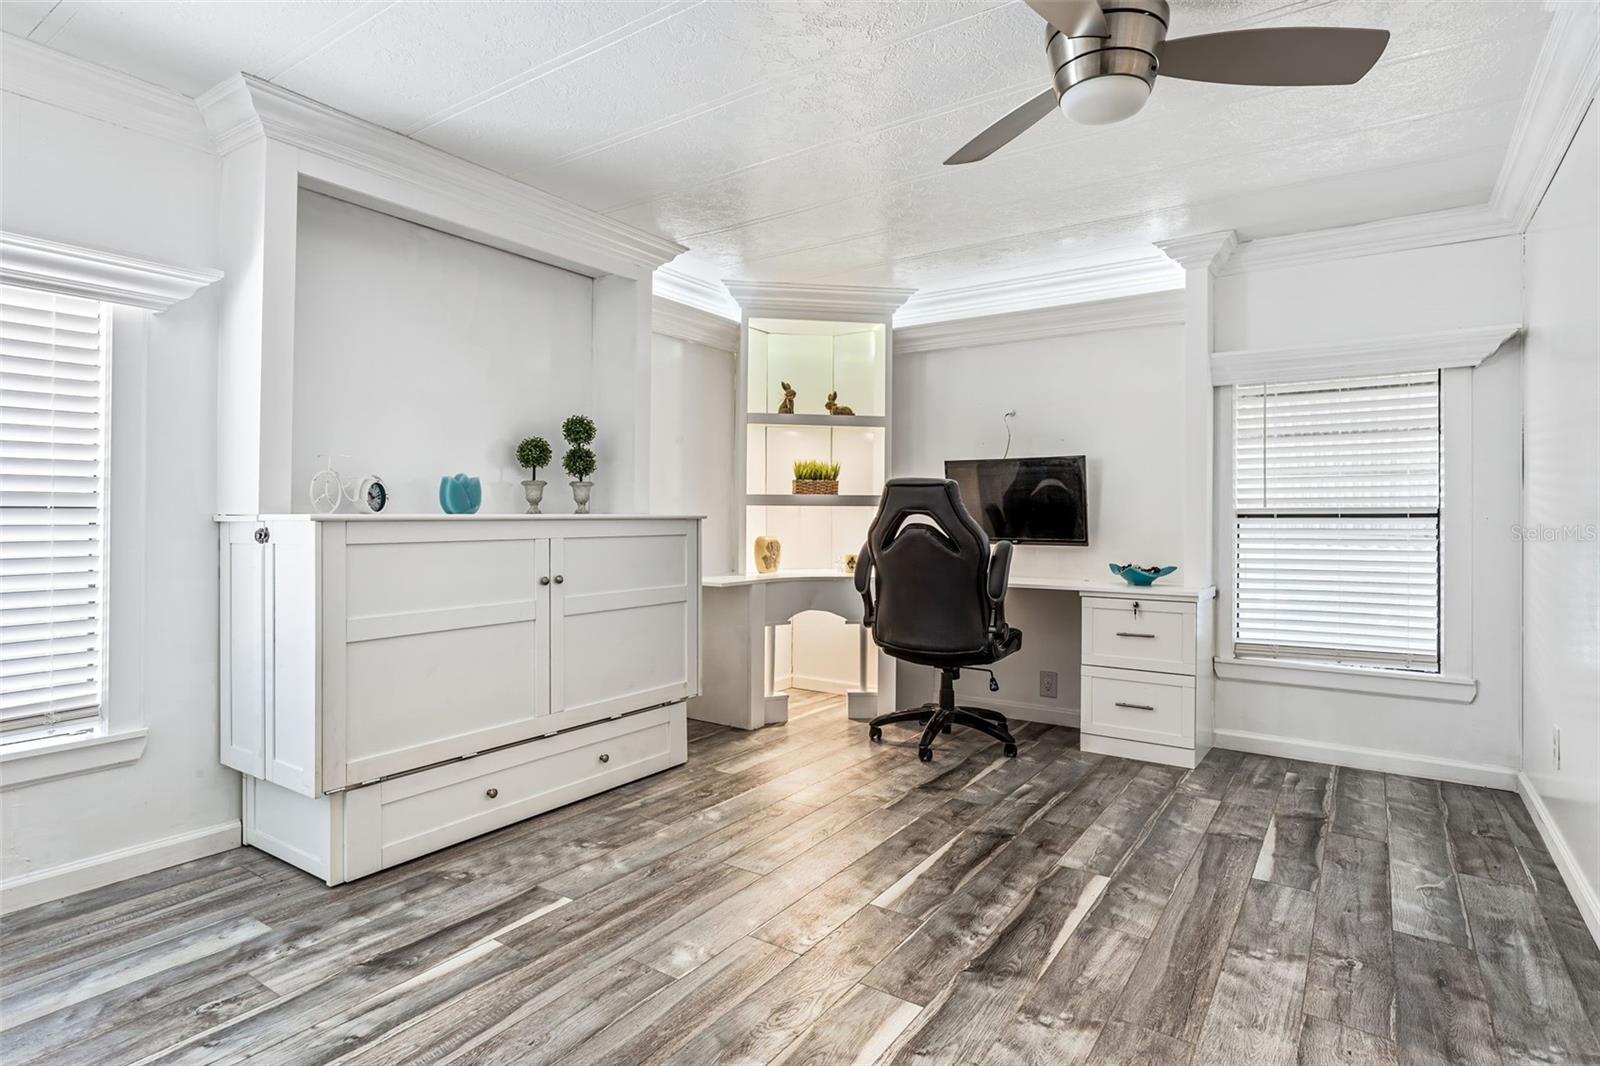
<point>875,734</point>
<point>925,754</point>
<point>1011,751</point>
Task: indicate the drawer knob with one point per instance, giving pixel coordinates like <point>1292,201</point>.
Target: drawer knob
<point>544,581</point>
<point>604,757</point>
<point>492,793</point>
<point>1120,633</point>
<point>1135,706</point>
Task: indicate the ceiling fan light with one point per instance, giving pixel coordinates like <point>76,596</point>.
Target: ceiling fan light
<point>1104,99</point>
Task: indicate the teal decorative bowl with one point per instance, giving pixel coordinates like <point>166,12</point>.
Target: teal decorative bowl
<point>1140,576</point>
<point>460,494</point>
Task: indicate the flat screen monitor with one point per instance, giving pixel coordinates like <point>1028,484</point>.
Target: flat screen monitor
<point>1027,501</point>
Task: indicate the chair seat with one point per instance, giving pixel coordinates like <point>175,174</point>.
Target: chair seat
<point>1005,642</point>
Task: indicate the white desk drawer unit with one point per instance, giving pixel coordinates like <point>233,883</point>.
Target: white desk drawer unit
<point>393,685</point>
<point>1142,695</point>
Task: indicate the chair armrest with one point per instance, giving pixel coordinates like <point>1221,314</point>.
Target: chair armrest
<point>999,571</point>
<point>863,580</point>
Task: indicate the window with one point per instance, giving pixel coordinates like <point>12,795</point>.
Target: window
<point>1336,502</point>
<point>52,498</point>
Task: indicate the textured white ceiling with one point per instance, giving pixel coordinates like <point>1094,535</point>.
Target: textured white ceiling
<point>802,141</point>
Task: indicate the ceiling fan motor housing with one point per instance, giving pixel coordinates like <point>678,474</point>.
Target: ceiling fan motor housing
<point>1137,30</point>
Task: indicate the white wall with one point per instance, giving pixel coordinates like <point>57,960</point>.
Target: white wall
<point>69,178</point>
<point>419,354</point>
<point>691,439</point>
<point>1113,396</point>
<point>1450,287</point>
<point>1561,494</point>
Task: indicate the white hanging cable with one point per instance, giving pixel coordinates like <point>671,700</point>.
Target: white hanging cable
<point>1009,415</point>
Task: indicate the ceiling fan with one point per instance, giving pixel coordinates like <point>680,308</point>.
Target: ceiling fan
<point>1104,58</point>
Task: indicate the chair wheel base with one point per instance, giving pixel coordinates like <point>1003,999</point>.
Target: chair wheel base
<point>925,754</point>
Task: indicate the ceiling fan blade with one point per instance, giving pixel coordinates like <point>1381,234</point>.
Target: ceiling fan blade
<point>1075,18</point>
<point>1287,55</point>
<point>1006,130</point>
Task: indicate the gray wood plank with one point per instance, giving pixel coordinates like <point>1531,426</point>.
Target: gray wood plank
<point>1108,840</point>
<point>1350,979</point>
<point>1170,991</point>
<point>1442,1011</point>
<point>667,1020</point>
<point>960,1026</point>
<point>1214,774</point>
<point>1307,790</point>
<point>1138,893</point>
<point>802,994</point>
<point>1325,1043</point>
<point>1572,937</point>
<point>1360,806</point>
<point>1255,1012</point>
<point>1537,1014</point>
<point>1291,851</point>
<point>1121,1044</point>
<point>858,1029</point>
<point>1059,1019</point>
<point>1248,803</point>
<point>548,1036</point>
<point>1105,782</point>
<point>1424,893</point>
<point>1479,837</point>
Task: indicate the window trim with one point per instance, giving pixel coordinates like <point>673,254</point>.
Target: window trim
<point>1455,680</point>
<point>137,289</point>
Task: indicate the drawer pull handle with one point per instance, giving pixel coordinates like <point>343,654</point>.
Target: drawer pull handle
<point>492,793</point>
<point>604,757</point>
<point>1120,633</point>
<point>544,581</point>
<point>1135,706</point>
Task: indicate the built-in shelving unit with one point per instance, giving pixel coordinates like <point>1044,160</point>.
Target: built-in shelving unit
<point>789,335</point>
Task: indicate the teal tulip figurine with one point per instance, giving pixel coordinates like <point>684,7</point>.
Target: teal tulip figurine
<point>460,494</point>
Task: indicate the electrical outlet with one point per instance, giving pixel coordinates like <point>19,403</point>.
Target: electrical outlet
<point>1555,745</point>
<point>1047,684</point>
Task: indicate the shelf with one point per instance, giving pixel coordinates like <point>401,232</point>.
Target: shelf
<point>831,421</point>
<point>753,499</point>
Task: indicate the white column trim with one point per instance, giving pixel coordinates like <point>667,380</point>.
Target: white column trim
<point>1437,350</point>
<point>93,274</point>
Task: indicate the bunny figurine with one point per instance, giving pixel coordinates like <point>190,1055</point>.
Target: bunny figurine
<point>837,408</point>
<point>787,406</point>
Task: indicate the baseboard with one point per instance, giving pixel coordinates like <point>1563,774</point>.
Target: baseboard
<point>1583,892</point>
<point>818,684</point>
<point>1018,711</point>
<point>56,882</point>
<point>1389,762</point>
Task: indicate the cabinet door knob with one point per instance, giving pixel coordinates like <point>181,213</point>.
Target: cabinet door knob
<point>605,757</point>
<point>263,535</point>
<point>559,579</point>
<point>544,581</point>
<point>492,793</point>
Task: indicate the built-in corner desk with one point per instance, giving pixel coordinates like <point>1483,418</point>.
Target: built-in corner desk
<point>1146,689</point>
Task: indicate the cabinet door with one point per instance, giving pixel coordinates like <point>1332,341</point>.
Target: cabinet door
<point>245,687</point>
<point>436,643</point>
<point>625,617</point>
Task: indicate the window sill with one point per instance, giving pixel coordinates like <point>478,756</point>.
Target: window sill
<point>1439,687</point>
<point>50,758</point>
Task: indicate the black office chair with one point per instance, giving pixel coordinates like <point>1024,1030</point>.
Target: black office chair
<point>939,600</point>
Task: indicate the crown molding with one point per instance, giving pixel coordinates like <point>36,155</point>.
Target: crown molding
<point>1404,233</point>
<point>1207,250</point>
<point>691,291</point>
<point>782,298</point>
<point>243,109</point>
<point>1143,273</point>
<point>1564,83</point>
<point>55,78</point>
<point>1383,355</point>
<point>672,319</point>
<point>1124,312</point>
<point>36,263</point>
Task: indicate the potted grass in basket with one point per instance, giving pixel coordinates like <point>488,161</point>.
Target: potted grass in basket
<point>815,478</point>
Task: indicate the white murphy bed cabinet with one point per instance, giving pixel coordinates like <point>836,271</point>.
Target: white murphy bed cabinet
<point>391,685</point>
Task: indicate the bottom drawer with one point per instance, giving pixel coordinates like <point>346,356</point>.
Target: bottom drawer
<point>1136,705</point>
<point>392,821</point>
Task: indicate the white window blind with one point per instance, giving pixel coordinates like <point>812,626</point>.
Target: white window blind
<point>1336,497</point>
<point>52,452</point>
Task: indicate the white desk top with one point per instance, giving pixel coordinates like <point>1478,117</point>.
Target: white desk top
<point>1086,586</point>
<point>437,516</point>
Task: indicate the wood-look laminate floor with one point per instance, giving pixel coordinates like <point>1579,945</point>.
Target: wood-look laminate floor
<point>800,895</point>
